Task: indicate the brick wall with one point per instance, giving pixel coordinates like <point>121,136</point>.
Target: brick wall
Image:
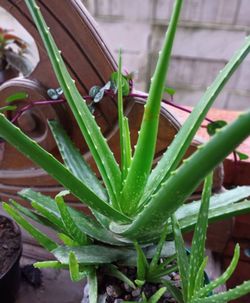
<point>210,31</point>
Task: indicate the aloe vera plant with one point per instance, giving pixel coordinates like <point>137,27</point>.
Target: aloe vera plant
<point>132,197</point>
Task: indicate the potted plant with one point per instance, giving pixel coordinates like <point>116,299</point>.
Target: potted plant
<point>134,235</point>
<point>12,56</point>
<point>10,253</point>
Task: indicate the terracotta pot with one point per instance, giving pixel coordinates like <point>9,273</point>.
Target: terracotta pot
<point>7,74</point>
<point>11,274</point>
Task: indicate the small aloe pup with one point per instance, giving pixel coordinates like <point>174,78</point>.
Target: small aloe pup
<point>135,207</point>
<point>191,268</point>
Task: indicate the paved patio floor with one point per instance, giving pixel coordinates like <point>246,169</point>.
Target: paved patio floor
<point>56,288</point>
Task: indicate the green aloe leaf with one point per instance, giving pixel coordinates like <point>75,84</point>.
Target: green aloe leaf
<point>74,271</point>
<point>168,251</point>
<point>69,224</point>
<point>97,144</point>
<point>180,186</point>
<point>103,220</point>
<point>34,216</point>
<point>92,254</point>
<point>145,149</point>
<point>100,254</point>
<point>218,214</point>
<point>67,240</point>
<point>86,224</point>
<point>49,264</point>
<point>182,258</point>
<point>49,215</point>
<point>37,154</point>
<point>231,294</point>
<point>222,206</point>
<point>175,291</point>
<point>127,143</point>
<point>203,292</point>
<point>155,261</point>
<point>113,271</point>
<point>142,263</point>
<point>217,200</point>
<point>123,129</point>
<point>199,237</point>
<point>166,263</point>
<point>93,287</point>
<point>156,276</point>
<point>156,297</point>
<point>44,240</point>
<point>74,160</point>
<point>183,139</point>
<point>188,223</point>
<point>200,279</point>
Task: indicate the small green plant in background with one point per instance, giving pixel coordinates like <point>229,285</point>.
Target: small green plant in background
<point>191,268</point>
<point>13,52</point>
<point>136,208</point>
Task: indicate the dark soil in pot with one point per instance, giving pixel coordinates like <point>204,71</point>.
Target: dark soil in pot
<point>112,290</point>
<point>10,252</point>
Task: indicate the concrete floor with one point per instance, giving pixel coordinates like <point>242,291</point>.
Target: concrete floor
<point>56,288</point>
